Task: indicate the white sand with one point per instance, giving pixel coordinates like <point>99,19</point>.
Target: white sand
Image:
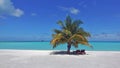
<point>44,59</point>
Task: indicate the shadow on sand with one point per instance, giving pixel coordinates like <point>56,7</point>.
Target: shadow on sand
<point>64,53</point>
<point>59,53</point>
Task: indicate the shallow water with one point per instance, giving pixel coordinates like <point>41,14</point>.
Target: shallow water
<point>97,46</point>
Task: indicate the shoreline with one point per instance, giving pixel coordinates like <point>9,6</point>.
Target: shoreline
<point>57,50</point>
<point>44,59</point>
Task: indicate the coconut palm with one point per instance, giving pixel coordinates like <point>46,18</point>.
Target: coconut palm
<point>70,33</point>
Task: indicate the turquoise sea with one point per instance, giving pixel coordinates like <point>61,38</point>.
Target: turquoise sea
<point>98,46</point>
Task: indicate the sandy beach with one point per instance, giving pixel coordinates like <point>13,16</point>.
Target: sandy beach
<point>46,59</point>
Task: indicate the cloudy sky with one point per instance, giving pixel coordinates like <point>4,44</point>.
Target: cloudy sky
<point>34,20</point>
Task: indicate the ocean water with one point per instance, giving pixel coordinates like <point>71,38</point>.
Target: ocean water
<point>97,46</point>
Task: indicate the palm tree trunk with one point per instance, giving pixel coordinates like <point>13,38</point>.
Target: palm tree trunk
<point>68,48</point>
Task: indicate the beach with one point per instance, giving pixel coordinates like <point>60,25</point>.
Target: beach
<point>46,59</point>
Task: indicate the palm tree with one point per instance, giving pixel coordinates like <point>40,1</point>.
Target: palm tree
<point>70,33</point>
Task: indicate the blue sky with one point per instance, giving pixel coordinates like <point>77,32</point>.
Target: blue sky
<point>34,20</point>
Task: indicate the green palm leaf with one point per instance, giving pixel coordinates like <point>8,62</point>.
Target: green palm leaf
<point>71,33</point>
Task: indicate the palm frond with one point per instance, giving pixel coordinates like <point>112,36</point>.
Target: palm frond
<point>75,43</point>
<point>57,31</point>
<point>68,22</point>
<point>76,37</point>
<point>58,39</point>
<point>61,24</point>
<point>67,32</point>
<point>77,22</point>
<point>83,32</point>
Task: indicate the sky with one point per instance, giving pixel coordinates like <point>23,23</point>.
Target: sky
<point>35,20</point>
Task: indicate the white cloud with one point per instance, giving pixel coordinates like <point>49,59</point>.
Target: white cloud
<point>33,14</point>
<point>8,9</point>
<point>72,10</point>
<point>87,3</point>
<point>83,4</point>
<point>18,13</point>
<point>106,36</point>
